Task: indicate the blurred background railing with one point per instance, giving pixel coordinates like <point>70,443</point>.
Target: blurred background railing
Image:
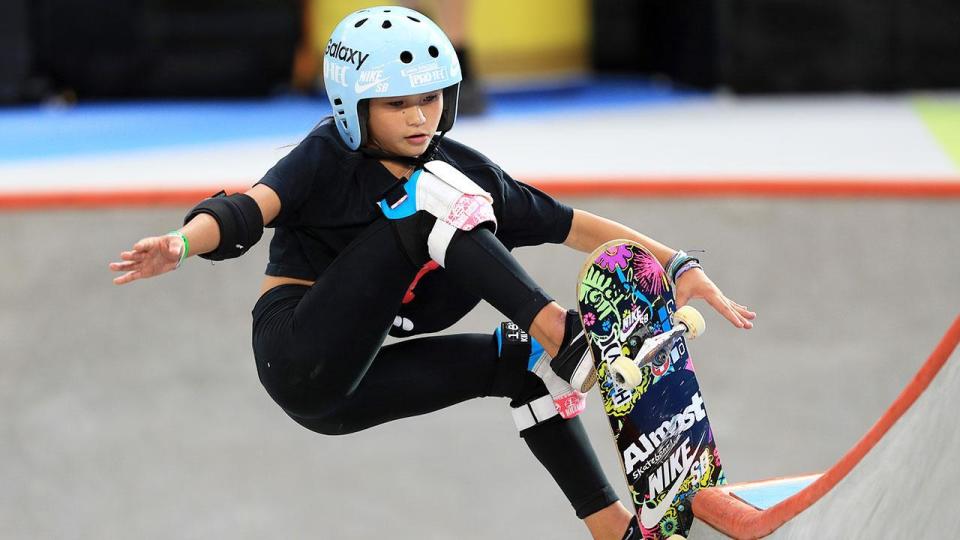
<point>98,49</point>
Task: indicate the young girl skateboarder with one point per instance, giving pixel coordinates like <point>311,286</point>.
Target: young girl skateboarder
<point>382,226</point>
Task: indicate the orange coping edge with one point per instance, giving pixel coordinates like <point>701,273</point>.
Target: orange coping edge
<point>737,519</point>
<point>665,186</point>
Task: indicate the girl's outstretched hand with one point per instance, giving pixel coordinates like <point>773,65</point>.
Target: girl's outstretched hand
<point>694,283</point>
<point>150,257</point>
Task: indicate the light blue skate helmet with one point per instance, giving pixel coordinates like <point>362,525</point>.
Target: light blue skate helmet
<point>387,51</point>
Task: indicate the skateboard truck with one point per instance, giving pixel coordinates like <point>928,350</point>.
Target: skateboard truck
<point>656,349</point>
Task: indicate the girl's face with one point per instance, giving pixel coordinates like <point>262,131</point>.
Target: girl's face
<point>404,125</point>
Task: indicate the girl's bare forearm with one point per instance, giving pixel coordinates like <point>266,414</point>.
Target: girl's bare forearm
<point>588,232</point>
<point>203,233</point>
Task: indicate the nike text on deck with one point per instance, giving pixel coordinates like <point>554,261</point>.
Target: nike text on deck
<point>647,444</point>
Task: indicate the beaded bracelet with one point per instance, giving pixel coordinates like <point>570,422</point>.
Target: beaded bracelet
<point>677,262</point>
<point>671,264</point>
<point>691,264</point>
<point>184,250</point>
<point>680,263</point>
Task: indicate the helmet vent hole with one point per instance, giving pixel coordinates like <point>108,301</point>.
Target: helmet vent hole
<point>359,23</point>
<point>344,123</point>
<point>386,11</point>
<point>386,24</point>
<point>414,19</point>
<point>433,51</point>
<point>337,101</point>
<point>406,57</point>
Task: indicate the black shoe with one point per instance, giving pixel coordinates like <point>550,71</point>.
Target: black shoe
<point>633,531</point>
<point>573,363</point>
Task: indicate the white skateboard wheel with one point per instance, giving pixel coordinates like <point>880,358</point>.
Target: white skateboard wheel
<point>692,319</point>
<point>625,372</point>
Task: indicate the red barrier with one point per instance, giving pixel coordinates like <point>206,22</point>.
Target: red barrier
<point>740,520</point>
<point>666,186</point>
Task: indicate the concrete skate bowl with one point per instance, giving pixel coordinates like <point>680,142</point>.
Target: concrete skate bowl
<point>898,481</point>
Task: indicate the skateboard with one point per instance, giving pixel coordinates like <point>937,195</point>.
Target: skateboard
<point>638,341</point>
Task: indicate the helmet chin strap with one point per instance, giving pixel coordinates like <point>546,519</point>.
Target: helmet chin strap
<point>418,161</point>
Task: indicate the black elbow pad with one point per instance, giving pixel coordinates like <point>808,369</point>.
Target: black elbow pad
<point>240,221</point>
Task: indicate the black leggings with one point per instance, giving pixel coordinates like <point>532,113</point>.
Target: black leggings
<point>320,352</point>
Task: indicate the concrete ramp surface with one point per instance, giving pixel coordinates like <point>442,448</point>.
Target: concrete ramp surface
<point>136,412</point>
<point>899,481</point>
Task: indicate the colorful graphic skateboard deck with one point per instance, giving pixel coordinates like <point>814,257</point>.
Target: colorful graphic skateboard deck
<point>655,409</point>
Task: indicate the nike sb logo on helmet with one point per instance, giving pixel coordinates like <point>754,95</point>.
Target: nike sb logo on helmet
<point>369,79</point>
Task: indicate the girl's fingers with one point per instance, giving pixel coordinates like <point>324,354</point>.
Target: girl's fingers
<point>133,255</point>
<point>139,262</point>
<point>716,301</point>
<point>144,245</point>
<point>723,307</point>
<point>121,266</point>
<point>126,278</point>
<point>738,315</point>
<point>738,320</point>
<point>744,310</point>
<point>743,315</point>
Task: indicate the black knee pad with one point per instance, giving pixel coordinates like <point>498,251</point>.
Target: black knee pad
<point>516,348</point>
<point>514,344</point>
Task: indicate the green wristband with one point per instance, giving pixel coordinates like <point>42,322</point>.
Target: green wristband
<point>185,252</point>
